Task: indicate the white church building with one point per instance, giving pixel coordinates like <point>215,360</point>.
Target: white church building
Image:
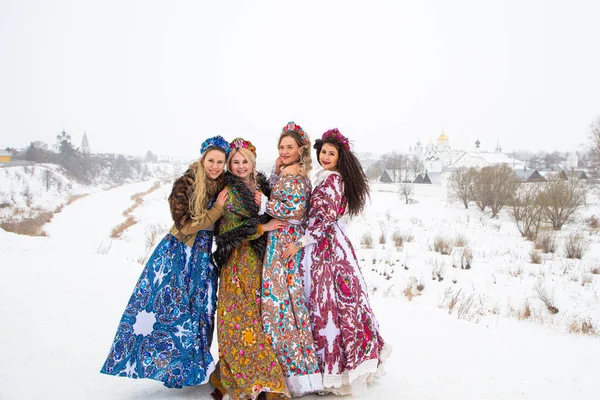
<point>436,156</point>
<point>440,156</point>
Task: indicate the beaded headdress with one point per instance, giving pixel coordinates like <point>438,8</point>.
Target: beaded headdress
<point>334,134</point>
<point>291,126</point>
<point>216,141</point>
<point>239,142</point>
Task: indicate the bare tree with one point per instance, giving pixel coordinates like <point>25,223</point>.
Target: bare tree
<point>460,185</point>
<point>561,199</point>
<point>494,187</point>
<point>406,191</point>
<point>526,210</point>
<point>415,165</point>
<point>394,162</point>
<point>481,188</point>
<point>503,187</point>
<point>595,137</point>
<point>47,178</point>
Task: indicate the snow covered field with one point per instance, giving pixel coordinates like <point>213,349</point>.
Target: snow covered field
<point>61,298</point>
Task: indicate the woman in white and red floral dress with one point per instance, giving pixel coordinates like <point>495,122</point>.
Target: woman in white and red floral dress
<point>346,333</point>
<point>284,311</point>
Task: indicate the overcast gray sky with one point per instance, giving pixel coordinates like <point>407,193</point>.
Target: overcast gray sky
<point>162,76</point>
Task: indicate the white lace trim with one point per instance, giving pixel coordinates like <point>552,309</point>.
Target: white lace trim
<point>299,385</point>
<point>354,381</point>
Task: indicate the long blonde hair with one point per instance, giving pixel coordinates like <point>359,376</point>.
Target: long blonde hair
<point>204,188</point>
<point>305,160</point>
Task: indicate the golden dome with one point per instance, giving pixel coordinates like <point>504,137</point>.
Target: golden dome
<point>442,137</point>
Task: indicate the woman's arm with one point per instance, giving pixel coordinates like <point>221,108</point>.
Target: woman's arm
<point>210,217</point>
<point>323,213</point>
<point>288,197</point>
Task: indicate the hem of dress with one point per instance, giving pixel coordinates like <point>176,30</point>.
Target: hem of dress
<point>209,371</point>
<point>300,385</point>
<point>354,381</point>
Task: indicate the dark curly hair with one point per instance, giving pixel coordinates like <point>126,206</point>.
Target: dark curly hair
<point>356,185</point>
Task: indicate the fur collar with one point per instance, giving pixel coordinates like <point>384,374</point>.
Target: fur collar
<point>247,194</point>
<point>228,241</point>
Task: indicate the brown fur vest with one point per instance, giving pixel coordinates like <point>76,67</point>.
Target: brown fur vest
<point>182,192</point>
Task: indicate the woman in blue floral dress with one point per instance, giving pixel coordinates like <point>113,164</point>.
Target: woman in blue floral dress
<point>166,330</point>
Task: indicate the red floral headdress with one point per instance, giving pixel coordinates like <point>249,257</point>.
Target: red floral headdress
<point>334,134</point>
<point>239,142</point>
<point>291,126</point>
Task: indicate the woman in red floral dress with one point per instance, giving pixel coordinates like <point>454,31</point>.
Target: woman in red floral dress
<point>346,333</point>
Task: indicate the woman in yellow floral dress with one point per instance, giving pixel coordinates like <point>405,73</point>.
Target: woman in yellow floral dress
<point>247,364</point>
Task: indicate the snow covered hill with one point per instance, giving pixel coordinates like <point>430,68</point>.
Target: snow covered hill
<point>61,298</point>
<point>31,191</point>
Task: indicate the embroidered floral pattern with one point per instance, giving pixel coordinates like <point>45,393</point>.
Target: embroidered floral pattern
<point>247,364</point>
<point>345,330</point>
<point>284,311</point>
<point>166,330</point>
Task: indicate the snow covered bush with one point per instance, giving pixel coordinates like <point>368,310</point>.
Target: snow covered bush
<point>546,298</point>
<point>583,327</point>
<point>593,222</point>
<point>535,257</point>
<point>442,245</point>
<point>576,245</point>
<point>546,242</point>
<point>367,241</point>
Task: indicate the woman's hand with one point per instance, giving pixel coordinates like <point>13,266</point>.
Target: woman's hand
<point>258,197</point>
<point>293,169</point>
<point>222,197</point>
<point>290,251</point>
<point>273,224</point>
<point>278,164</point>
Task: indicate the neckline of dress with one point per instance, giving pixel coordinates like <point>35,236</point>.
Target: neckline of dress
<point>323,175</point>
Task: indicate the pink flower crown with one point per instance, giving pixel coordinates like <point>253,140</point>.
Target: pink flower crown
<point>239,142</point>
<point>291,126</point>
<point>335,135</point>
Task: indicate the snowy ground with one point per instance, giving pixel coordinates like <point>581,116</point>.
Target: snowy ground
<point>61,298</point>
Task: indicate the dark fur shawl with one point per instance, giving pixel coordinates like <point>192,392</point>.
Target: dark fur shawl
<point>232,239</point>
<point>182,192</point>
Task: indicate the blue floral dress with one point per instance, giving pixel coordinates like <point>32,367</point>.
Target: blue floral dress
<point>166,330</point>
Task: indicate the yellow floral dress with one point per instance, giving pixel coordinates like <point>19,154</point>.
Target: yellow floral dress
<point>247,364</point>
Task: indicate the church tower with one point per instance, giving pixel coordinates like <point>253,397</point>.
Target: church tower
<point>443,143</point>
<point>498,148</point>
<point>61,137</point>
<point>85,144</point>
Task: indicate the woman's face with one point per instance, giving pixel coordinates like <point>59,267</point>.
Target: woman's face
<point>289,150</point>
<point>328,157</point>
<point>213,163</point>
<point>240,167</point>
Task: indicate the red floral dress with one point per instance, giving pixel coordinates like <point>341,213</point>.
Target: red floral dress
<point>346,333</point>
